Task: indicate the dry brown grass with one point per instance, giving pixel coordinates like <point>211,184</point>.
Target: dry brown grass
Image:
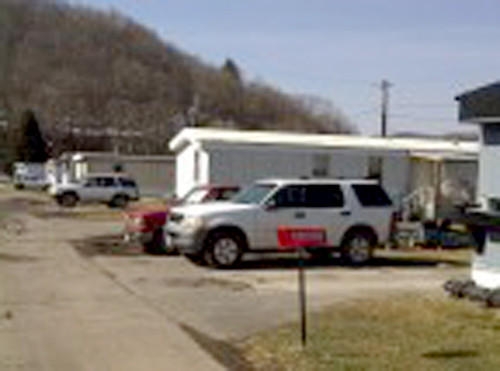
<point>396,333</point>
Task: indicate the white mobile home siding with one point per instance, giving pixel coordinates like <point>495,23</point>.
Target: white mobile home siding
<point>192,169</point>
<point>184,169</point>
<point>240,164</point>
<point>489,172</point>
<point>155,177</point>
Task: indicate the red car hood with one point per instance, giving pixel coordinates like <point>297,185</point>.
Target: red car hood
<point>154,217</point>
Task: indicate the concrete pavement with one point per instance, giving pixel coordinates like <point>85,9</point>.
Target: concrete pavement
<point>58,312</point>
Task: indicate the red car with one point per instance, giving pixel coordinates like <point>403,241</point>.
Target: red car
<point>145,225</point>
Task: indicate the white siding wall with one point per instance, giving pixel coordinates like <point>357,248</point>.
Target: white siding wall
<point>489,171</point>
<point>242,164</point>
<point>184,171</point>
<point>489,158</point>
<point>348,163</point>
<point>204,175</point>
<point>81,169</point>
<point>154,177</point>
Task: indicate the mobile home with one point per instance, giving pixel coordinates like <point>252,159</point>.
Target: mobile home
<point>405,166</point>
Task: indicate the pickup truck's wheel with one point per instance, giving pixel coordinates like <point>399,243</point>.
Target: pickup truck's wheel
<point>68,199</point>
<point>119,201</point>
<point>357,246</point>
<point>158,246</point>
<point>223,249</point>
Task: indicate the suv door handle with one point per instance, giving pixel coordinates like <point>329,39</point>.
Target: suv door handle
<point>299,215</point>
<point>345,213</point>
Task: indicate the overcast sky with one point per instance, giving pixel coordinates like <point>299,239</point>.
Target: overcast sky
<point>341,49</point>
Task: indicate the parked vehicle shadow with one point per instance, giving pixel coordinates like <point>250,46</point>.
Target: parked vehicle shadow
<point>113,245</point>
<point>291,261</point>
<point>106,245</point>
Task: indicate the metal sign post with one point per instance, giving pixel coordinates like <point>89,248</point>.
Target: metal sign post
<point>299,238</point>
<point>302,297</point>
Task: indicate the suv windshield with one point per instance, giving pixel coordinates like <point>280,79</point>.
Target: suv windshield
<point>253,194</point>
<point>194,196</point>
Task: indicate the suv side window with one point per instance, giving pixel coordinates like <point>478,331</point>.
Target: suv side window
<point>127,183</point>
<point>290,196</point>
<point>224,194</point>
<point>92,182</point>
<point>371,195</point>
<point>106,182</point>
<point>324,195</point>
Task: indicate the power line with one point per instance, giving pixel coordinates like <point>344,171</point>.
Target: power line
<point>422,105</point>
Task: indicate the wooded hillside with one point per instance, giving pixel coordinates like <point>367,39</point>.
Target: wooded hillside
<point>96,80</point>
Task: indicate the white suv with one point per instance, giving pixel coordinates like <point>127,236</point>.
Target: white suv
<point>356,215</point>
<point>116,190</point>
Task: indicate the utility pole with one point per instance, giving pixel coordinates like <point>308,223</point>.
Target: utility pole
<point>384,87</point>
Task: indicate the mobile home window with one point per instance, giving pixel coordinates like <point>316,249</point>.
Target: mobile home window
<point>321,165</point>
<point>375,167</point>
<point>491,134</point>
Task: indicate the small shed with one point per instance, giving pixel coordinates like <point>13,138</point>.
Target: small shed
<point>409,168</point>
<point>155,175</point>
<point>482,106</point>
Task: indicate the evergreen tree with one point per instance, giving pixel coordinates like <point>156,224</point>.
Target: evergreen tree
<point>231,69</point>
<point>30,145</point>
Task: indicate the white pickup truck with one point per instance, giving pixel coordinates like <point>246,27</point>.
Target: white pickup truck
<point>355,214</point>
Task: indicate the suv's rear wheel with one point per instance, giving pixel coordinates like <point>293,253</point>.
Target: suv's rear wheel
<point>223,249</point>
<point>357,246</point>
<point>68,199</point>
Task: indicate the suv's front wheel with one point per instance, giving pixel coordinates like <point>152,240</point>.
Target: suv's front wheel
<point>119,201</point>
<point>357,246</point>
<point>68,199</point>
<point>223,249</point>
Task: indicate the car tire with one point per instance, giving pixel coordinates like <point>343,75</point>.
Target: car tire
<point>357,247</point>
<point>119,201</point>
<point>68,200</point>
<point>223,249</point>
